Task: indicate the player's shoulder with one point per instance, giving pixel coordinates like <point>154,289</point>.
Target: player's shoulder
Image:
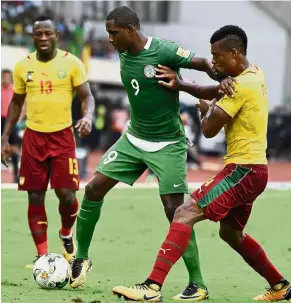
<point>67,56</point>
<point>250,77</point>
<point>172,47</point>
<point>250,74</point>
<point>166,47</point>
<point>163,43</point>
<point>27,60</point>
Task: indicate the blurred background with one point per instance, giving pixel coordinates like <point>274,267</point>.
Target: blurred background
<point>191,23</point>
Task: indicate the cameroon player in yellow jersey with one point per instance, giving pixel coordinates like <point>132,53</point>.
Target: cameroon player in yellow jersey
<point>228,197</point>
<point>47,79</point>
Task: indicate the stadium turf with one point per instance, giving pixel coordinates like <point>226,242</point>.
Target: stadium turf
<point>124,247</point>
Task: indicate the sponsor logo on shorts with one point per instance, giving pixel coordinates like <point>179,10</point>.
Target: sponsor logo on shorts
<point>21,180</point>
<point>149,71</point>
<point>177,185</point>
<point>76,181</point>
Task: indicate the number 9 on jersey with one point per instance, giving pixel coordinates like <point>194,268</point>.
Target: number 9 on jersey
<point>135,86</point>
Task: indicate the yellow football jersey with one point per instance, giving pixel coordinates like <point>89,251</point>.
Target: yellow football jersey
<point>49,88</point>
<point>246,134</point>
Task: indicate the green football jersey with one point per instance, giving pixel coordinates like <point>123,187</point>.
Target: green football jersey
<point>154,109</point>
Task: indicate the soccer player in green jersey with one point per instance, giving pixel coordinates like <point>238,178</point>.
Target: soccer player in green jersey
<point>155,139</point>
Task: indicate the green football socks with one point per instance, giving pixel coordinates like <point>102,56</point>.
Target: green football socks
<point>191,259</point>
<point>86,221</point>
<point>88,217</point>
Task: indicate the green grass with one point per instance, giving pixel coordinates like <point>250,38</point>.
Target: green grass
<point>125,244</point>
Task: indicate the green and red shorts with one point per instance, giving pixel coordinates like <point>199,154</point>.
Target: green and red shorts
<point>229,195</point>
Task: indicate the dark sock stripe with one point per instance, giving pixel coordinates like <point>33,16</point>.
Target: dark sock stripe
<point>175,245</point>
<point>38,232</point>
<point>163,259</point>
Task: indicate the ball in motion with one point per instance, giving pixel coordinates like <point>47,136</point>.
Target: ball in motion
<point>51,271</point>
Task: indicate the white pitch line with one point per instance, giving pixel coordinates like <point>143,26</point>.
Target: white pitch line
<point>145,185</point>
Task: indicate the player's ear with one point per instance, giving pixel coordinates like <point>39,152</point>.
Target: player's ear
<point>57,34</point>
<point>130,29</point>
<point>234,52</point>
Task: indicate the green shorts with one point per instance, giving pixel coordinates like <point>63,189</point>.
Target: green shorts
<point>125,162</point>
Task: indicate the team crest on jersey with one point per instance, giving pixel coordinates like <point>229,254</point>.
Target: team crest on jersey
<point>29,76</point>
<point>61,74</point>
<point>149,71</point>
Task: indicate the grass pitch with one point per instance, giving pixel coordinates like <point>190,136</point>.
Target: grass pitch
<point>125,244</point>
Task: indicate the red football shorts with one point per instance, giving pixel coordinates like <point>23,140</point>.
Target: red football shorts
<point>229,196</point>
<point>48,157</point>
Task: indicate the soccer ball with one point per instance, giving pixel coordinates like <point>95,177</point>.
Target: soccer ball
<point>51,271</point>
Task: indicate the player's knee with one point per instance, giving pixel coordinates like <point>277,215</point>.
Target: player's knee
<point>171,202</point>
<point>182,215</point>
<point>170,211</point>
<point>66,196</point>
<point>179,213</point>
<point>188,213</point>
<point>36,197</point>
<point>223,234</point>
<point>93,192</point>
<point>231,237</point>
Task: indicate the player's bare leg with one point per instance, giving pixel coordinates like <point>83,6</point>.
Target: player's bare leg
<point>196,288</point>
<point>68,209</point>
<point>170,252</point>
<point>38,223</point>
<point>89,215</point>
<point>15,159</point>
<point>255,256</point>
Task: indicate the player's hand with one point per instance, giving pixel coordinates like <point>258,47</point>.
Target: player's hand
<point>172,76</point>
<point>5,150</point>
<point>204,106</point>
<point>227,87</point>
<point>84,127</point>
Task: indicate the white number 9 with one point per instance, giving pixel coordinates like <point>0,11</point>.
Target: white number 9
<point>111,157</point>
<point>135,85</point>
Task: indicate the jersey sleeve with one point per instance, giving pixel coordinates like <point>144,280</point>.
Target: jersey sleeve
<point>19,86</point>
<point>231,105</point>
<point>176,56</point>
<point>79,74</point>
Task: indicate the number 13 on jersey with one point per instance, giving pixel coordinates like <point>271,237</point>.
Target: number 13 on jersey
<point>46,87</point>
<point>135,86</point>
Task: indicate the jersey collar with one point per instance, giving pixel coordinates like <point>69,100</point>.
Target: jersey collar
<point>149,42</point>
<point>57,55</point>
<point>251,68</point>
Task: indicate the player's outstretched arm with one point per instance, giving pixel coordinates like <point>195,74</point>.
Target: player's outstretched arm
<point>84,126</point>
<point>203,65</point>
<point>226,84</point>
<point>14,111</point>
<point>208,92</point>
<point>177,83</point>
